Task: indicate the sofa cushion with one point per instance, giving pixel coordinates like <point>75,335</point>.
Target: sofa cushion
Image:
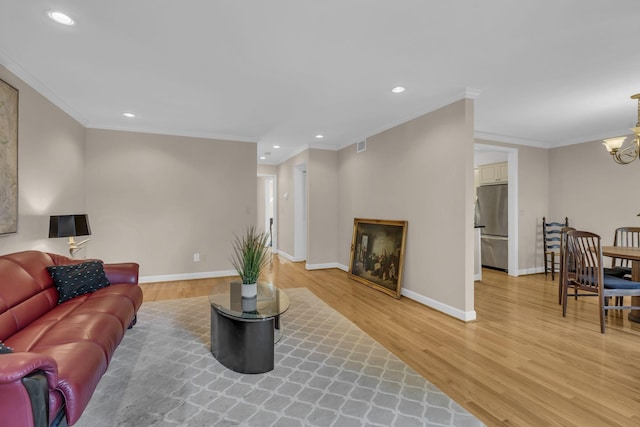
<point>78,279</point>
<point>69,323</point>
<point>612,282</point>
<point>118,306</point>
<point>25,294</point>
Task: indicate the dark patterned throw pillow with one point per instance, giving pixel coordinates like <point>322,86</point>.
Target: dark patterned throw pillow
<point>4,349</point>
<point>78,279</point>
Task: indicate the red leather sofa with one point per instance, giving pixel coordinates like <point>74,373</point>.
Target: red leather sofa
<point>60,350</point>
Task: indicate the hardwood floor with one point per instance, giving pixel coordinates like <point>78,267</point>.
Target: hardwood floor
<point>520,364</point>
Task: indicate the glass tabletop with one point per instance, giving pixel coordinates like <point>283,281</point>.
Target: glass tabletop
<point>269,302</point>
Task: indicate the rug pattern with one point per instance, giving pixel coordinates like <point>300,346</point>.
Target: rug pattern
<point>328,373</point>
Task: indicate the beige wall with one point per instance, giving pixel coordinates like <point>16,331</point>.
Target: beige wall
<point>321,208</point>
<point>407,173</point>
<point>159,199</point>
<point>286,206</point>
<point>268,170</point>
<point>533,204</point>
<point>260,206</point>
<point>596,194</point>
<point>50,169</point>
<point>322,180</point>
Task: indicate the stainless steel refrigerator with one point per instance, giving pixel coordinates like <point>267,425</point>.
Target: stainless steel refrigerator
<point>492,211</point>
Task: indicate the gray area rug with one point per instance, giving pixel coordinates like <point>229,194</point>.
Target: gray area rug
<point>328,373</point>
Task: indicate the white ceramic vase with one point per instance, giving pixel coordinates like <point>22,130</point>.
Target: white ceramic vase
<point>249,290</point>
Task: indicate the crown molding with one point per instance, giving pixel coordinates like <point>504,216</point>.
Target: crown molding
<point>327,147</point>
<point>510,139</point>
<point>171,132</point>
<point>470,93</point>
<point>41,88</point>
<point>548,145</point>
<point>295,153</point>
<point>595,137</point>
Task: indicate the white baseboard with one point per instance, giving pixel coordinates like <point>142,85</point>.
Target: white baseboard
<point>465,316</point>
<point>327,265</point>
<point>534,270</point>
<point>322,266</point>
<point>436,305</point>
<point>287,256</point>
<point>477,277</point>
<point>187,276</point>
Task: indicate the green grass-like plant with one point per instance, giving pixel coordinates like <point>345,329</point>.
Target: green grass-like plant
<point>250,254</point>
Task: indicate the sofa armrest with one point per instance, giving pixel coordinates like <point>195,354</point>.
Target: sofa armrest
<point>16,366</point>
<point>25,381</point>
<point>126,272</point>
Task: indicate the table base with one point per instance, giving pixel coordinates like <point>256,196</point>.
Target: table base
<point>243,345</point>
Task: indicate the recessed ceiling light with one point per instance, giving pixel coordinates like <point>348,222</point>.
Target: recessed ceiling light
<point>263,158</point>
<point>398,89</point>
<point>276,146</point>
<point>129,115</point>
<point>319,136</point>
<point>61,18</point>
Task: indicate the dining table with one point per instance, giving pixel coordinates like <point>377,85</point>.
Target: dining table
<point>632,254</point>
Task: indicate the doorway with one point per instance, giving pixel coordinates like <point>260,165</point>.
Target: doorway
<point>482,153</point>
<point>267,208</point>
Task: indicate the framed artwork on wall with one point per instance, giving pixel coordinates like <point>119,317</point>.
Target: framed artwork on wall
<point>8,158</point>
<point>377,254</point>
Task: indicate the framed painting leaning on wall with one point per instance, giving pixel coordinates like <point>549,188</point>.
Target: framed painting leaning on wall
<point>377,254</point>
<point>8,158</point>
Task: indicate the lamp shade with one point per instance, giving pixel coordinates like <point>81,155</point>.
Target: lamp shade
<point>69,225</point>
<point>614,144</point>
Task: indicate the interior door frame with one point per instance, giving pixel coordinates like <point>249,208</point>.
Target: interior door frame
<point>300,212</point>
<point>512,164</point>
<point>274,246</point>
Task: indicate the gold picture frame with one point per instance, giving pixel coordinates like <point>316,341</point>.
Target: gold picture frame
<point>8,158</point>
<point>377,254</point>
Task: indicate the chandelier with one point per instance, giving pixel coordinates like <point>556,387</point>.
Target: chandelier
<point>628,154</point>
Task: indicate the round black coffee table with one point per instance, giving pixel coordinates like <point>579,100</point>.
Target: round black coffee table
<point>244,330</point>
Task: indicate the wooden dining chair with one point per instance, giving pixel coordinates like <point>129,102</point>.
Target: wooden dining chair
<point>620,267</point>
<point>563,246</point>
<point>551,238</point>
<point>583,255</point>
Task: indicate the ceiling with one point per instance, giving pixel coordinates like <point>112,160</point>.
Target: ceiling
<point>279,72</point>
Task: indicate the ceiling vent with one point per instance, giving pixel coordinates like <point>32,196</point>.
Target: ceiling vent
<point>361,146</point>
